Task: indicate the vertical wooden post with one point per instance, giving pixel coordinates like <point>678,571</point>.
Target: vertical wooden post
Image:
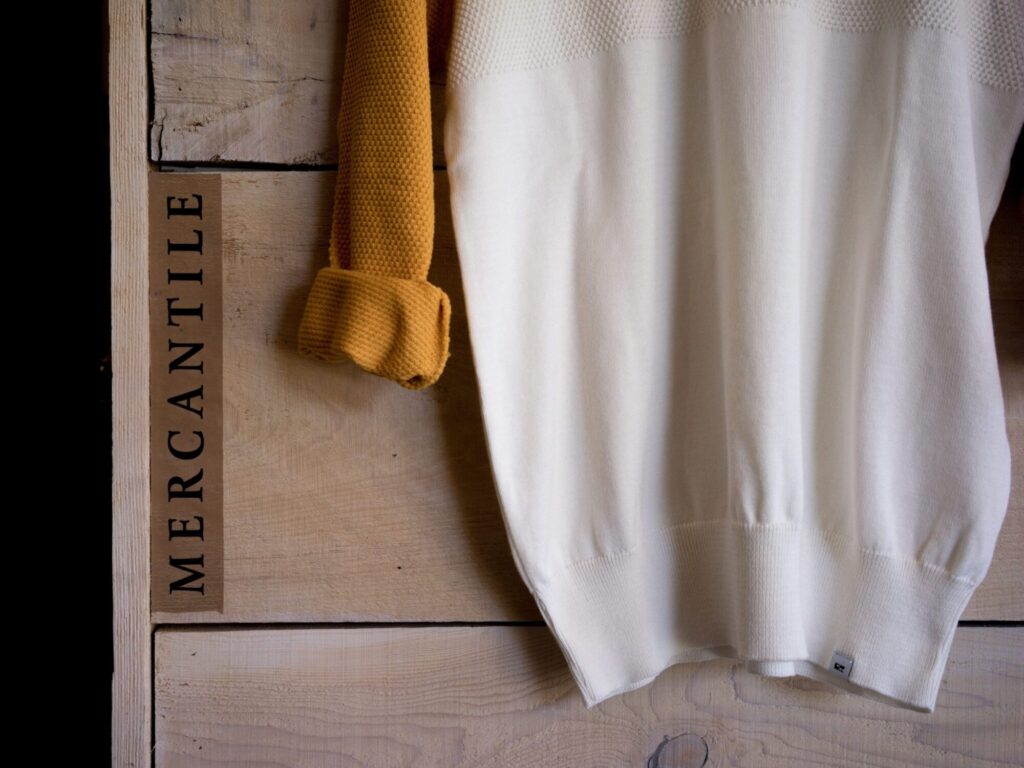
<point>129,165</point>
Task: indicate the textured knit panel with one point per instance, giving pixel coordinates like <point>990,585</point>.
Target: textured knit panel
<point>500,35</point>
<point>373,303</point>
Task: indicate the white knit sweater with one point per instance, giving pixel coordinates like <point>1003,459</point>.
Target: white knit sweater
<point>724,272</point>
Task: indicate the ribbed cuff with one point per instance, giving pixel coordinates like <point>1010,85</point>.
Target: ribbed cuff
<point>785,599</point>
<point>393,327</point>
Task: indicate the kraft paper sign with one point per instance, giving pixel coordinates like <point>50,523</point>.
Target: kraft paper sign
<point>186,378</point>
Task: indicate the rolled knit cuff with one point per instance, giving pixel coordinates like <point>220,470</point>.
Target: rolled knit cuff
<point>393,327</point>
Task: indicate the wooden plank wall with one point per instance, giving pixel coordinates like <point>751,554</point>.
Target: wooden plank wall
<point>502,696</point>
<point>349,499</point>
<point>364,500</point>
<point>368,501</point>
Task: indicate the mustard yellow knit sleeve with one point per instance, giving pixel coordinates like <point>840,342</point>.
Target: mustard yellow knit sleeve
<point>373,303</point>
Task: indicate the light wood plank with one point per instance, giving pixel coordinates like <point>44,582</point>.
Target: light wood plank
<point>253,82</point>
<point>131,711</point>
<point>1001,595</point>
<point>347,498</point>
<point>503,696</point>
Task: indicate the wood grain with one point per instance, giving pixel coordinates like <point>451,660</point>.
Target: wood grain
<point>130,687</point>
<point>503,697</point>
<point>253,82</point>
<point>347,498</point>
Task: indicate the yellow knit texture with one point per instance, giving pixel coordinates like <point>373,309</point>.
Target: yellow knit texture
<point>373,303</point>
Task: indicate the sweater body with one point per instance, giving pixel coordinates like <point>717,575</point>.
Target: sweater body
<point>725,281</point>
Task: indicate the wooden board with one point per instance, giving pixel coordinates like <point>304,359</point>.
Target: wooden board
<point>347,498</point>
<point>503,697</point>
<point>131,713</point>
<point>253,82</point>
<point>1001,595</point>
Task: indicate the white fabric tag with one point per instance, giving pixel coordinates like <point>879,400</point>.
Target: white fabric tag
<point>841,664</point>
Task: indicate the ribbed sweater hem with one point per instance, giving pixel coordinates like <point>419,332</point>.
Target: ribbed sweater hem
<point>782,598</point>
